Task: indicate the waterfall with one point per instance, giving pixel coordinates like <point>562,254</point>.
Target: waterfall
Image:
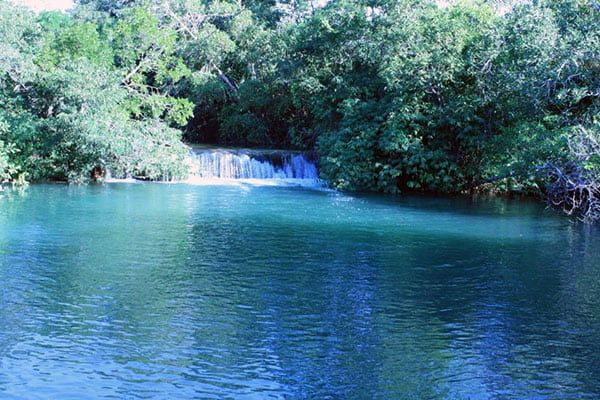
<point>252,164</point>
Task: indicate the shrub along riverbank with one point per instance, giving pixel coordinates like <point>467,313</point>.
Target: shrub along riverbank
<point>393,95</point>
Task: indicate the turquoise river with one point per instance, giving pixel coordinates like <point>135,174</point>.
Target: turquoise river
<point>179,291</point>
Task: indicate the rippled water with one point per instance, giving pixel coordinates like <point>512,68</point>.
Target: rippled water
<point>178,291</point>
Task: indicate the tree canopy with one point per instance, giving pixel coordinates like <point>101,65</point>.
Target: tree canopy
<point>391,95</point>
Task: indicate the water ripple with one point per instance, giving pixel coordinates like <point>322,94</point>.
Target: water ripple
<point>179,291</point>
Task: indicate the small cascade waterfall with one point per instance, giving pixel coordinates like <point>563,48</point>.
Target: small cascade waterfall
<point>252,164</point>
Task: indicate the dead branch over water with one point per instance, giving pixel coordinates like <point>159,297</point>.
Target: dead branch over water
<point>575,185</point>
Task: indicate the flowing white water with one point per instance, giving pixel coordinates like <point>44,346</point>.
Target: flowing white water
<point>253,166</point>
<point>242,167</point>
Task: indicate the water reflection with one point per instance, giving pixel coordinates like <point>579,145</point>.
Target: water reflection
<point>159,291</point>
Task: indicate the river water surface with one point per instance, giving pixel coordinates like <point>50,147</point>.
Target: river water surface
<point>160,291</point>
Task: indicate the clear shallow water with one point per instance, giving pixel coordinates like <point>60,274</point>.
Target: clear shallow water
<point>179,291</point>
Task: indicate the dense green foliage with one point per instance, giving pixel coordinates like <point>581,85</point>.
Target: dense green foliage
<point>392,95</point>
<point>72,100</point>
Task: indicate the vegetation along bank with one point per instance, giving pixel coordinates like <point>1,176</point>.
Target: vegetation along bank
<point>392,95</point>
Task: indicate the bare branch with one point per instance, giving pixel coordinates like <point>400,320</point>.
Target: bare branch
<point>575,189</point>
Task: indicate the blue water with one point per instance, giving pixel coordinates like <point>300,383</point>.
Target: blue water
<point>156,291</point>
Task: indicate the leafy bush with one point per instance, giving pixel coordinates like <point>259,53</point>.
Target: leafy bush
<point>393,95</point>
